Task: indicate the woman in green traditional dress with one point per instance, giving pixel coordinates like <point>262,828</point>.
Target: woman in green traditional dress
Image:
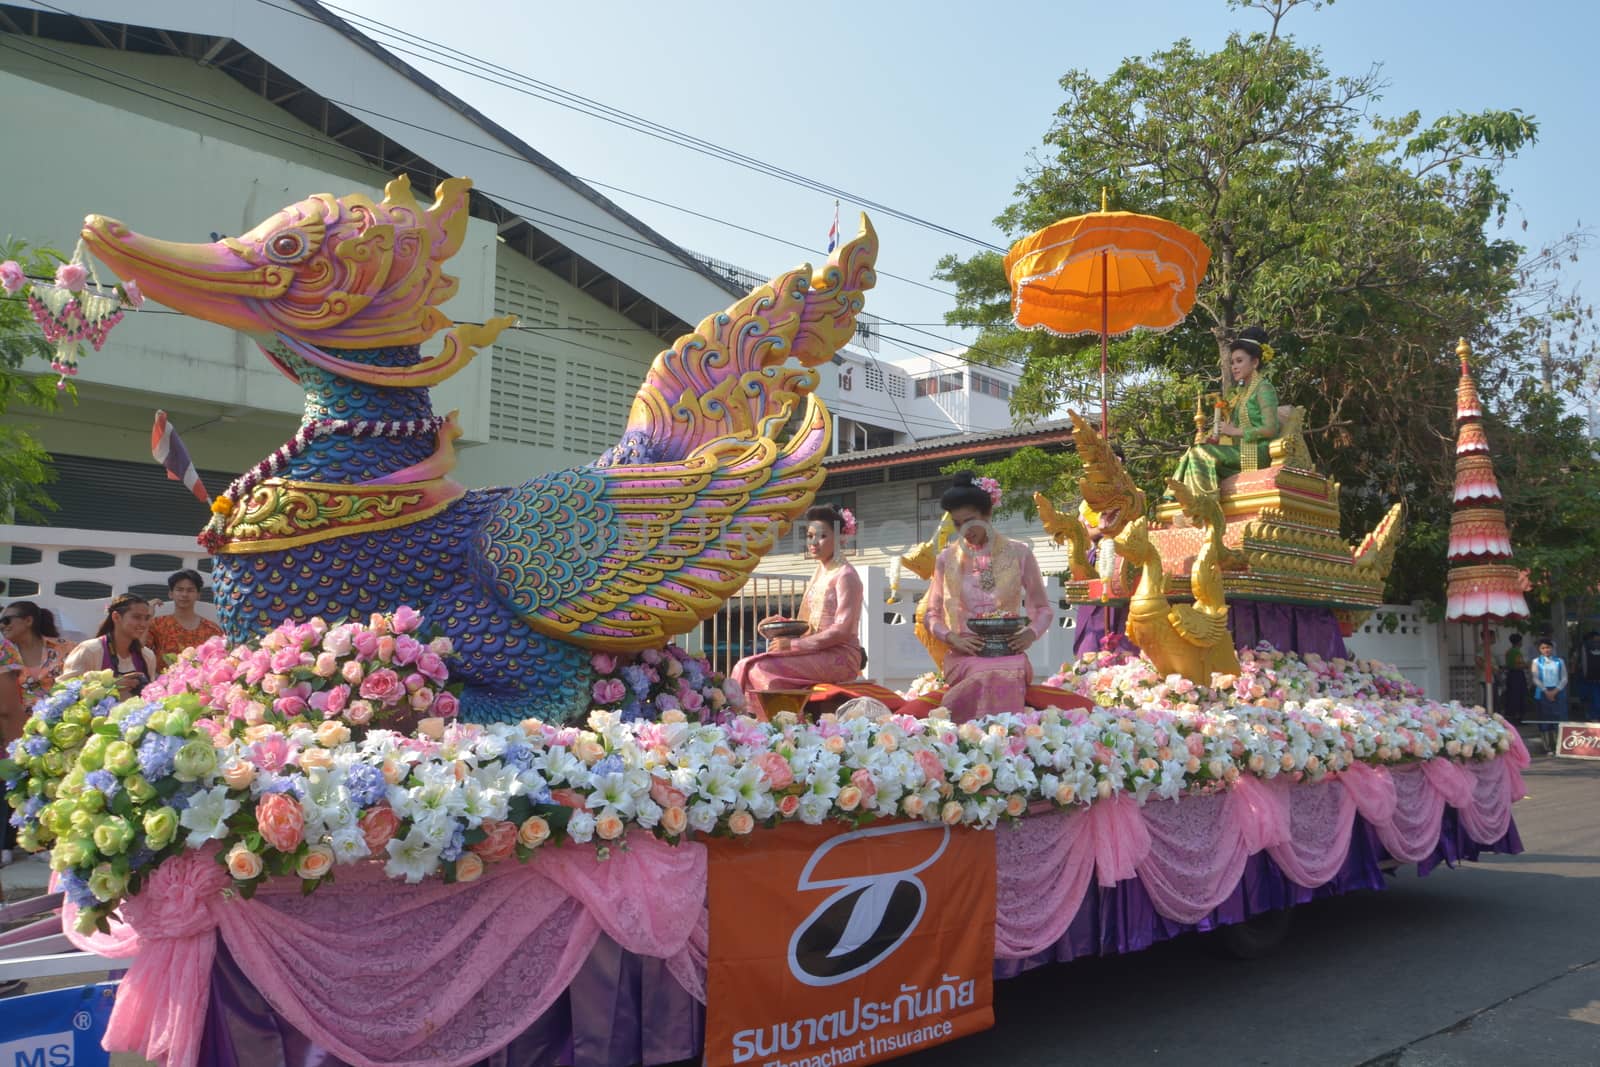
<point>1251,420</point>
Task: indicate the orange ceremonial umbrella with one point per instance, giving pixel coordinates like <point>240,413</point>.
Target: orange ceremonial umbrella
<point>1107,272</point>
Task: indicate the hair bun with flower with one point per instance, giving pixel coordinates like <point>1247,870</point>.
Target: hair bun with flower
<point>990,486</point>
<point>847,522</point>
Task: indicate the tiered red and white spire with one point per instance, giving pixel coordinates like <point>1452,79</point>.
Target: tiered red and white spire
<point>1482,584</point>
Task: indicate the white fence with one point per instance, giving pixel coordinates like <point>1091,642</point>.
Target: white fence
<point>75,573</point>
<point>1398,634</point>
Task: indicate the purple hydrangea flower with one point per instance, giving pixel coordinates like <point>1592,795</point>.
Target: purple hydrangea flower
<point>455,846</point>
<point>611,764</point>
<point>104,781</point>
<point>36,746</point>
<point>156,753</point>
<point>365,783</point>
<point>77,890</point>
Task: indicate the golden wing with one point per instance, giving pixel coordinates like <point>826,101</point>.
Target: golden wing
<point>1199,627</point>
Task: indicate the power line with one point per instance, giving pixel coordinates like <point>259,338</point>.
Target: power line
<point>305,141</point>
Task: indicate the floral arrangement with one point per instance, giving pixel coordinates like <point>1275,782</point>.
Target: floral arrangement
<point>137,782</point>
<point>657,681</point>
<point>847,522</point>
<point>383,672</point>
<point>75,309</point>
<point>923,684</point>
<point>990,486</point>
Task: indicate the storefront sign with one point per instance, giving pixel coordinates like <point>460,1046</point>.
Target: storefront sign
<point>1579,740</point>
<point>832,947</point>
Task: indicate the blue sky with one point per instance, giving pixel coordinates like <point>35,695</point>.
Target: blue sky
<point>934,107</point>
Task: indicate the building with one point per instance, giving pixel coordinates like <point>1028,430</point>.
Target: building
<point>182,117</point>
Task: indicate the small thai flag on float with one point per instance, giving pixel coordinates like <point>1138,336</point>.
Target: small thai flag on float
<point>167,447</point>
<point>833,233</point>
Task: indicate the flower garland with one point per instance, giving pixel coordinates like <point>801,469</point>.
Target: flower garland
<point>75,309</point>
<point>115,789</point>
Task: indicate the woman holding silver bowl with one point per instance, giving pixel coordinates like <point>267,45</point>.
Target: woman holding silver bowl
<point>987,601</point>
<point>823,644</point>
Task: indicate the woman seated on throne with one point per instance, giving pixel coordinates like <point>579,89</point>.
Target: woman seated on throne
<point>1251,421</point>
<point>981,573</point>
<point>830,650</point>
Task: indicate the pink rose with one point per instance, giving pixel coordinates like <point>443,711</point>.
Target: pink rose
<point>365,643</point>
<point>71,276</point>
<point>603,662</point>
<point>271,753</point>
<point>338,641</point>
<point>386,647</point>
<point>929,765</point>
<point>422,699</point>
<point>608,690</point>
<point>382,685</point>
<point>352,672</point>
<point>692,701</point>
<point>432,667</point>
<point>378,826</point>
<point>499,842</point>
<point>132,295</point>
<point>281,821</point>
<point>331,701</point>
<point>775,769</point>
<point>11,276</point>
<point>406,619</point>
<point>326,666</point>
<point>664,794</point>
<point>360,712</point>
<point>289,706</point>
<point>406,650</point>
<point>445,704</point>
<point>788,806</point>
<point>862,780</point>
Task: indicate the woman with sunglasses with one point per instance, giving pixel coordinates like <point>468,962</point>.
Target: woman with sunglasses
<point>33,631</point>
<point>118,646</point>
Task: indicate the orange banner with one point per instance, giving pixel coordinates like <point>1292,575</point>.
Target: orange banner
<point>833,946</point>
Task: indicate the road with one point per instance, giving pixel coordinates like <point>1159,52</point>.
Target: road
<point>1496,962</point>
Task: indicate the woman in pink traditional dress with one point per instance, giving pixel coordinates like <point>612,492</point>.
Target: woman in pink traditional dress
<point>982,573</point>
<point>830,651</point>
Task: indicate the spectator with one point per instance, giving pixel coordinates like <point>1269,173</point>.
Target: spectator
<point>185,627</point>
<point>1549,689</point>
<point>1516,680</point>
<point>1589,685</point>
<point>118,646</point>
<point>12,716</point>
<point>33,630</point>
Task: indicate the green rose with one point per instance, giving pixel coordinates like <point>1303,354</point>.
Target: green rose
<point>71,852</point>
<point>134,734</point>
<point>140,791</point>
<point>91,800</point>
<point>67,734</point>
<point>84,820</point>
<point>54,763</point>
<point>78,715</point>
<point>106,884</point>
<point>113,836</point>
<point>57,816</point>
<point>93,756</point>
<point>187,703</point>
<point>28,840</point>
<point>121,758</point>
<point>160,826</point>
<point>197,759</point>
<point>171,722</point>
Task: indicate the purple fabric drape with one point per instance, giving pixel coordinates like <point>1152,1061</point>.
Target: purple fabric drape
<point>1286,627</point>
<point>625,1009</point>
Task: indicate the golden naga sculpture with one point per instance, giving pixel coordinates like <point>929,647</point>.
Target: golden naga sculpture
<point>920,561</point>
<point>1279,530</point>
<point>1111,498</point>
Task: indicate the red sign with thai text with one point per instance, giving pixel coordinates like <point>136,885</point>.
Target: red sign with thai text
<point>1578,740</point>
<point>832,946</point>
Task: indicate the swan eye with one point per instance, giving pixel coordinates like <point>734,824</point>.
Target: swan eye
<point>287,246</point>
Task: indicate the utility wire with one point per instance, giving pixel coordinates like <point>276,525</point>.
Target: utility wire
<point>307,141</point>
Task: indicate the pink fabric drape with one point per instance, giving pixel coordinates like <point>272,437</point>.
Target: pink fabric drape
<point>384,973</point>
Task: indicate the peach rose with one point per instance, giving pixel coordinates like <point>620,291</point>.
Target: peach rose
<point>741,822</point>
<point>378,826</point>
<point>674,715</point>
<point>834,744</point>
<point>393,773</point>
<point>533,832</point>
<point>332,734</point>
<point>951,813</point>
<point>968,783</point>
<point>675,820</point>
<point>259,732</point>
<point>469,867</point>
<point>1015,805</point>
<point>914,806</point>
<point>588,748</point>
<point>431,728</point>
<point>314,758</point>
<point>788,806</point>
<point>849,798</point>
<point>983,772</point>
<point>776,770</point>
<point>239,773</point>
<point>317,862</point>
<point>608,827</point>
<point>1065,794</point>
<point>886,741</point>
<point>281,821</point>
<point>243,864</point>
<point>499,841</point>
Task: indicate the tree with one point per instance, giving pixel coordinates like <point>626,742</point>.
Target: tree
<point>1365,245</point>
<point>24,464</point>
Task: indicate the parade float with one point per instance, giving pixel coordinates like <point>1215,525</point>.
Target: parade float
<point>446,793</point>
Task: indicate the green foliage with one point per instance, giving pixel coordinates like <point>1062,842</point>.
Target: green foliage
<point>1366,245</point>
<point>24,464</point>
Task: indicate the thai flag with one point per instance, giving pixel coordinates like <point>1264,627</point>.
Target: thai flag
<point>833,233</point>
<point>167,447</point>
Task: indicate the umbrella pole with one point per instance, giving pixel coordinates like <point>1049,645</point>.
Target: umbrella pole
<point>1105,323</point>
<point>1488,668</point>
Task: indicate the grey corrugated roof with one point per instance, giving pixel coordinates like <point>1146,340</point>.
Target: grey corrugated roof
<point>949,442</point>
